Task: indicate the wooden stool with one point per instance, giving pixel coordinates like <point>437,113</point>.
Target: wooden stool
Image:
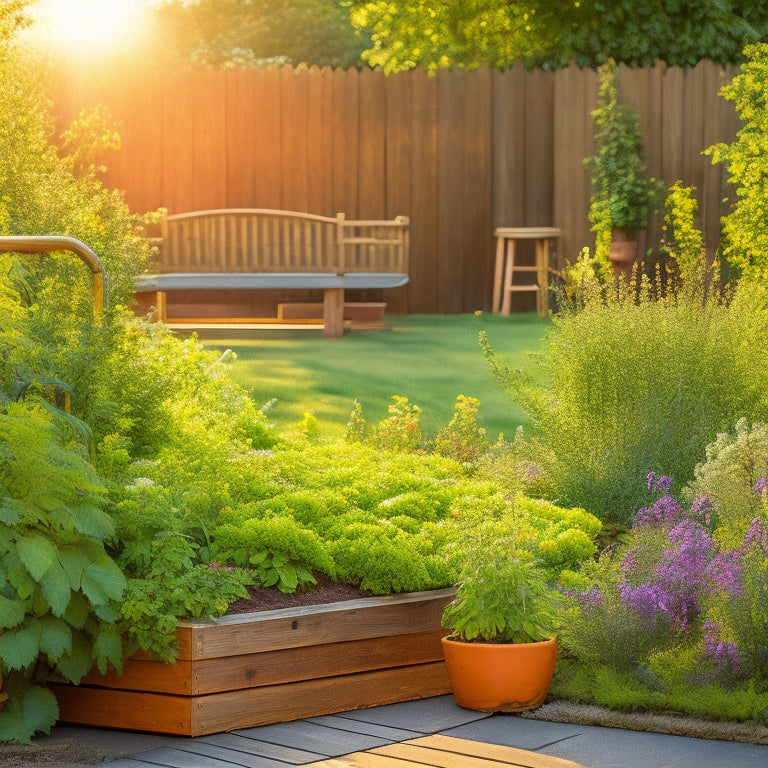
<point>503,285</point>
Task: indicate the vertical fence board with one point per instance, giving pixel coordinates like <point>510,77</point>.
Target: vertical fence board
<point>293,118</point>
<point>476,261</point>
<point>177,141</point>
<point>399,130</point>
<point>240,158</point>
<point>509,148</point>
<point>319,143</point>
<point>209,168</point>
<point>451,180</point>
<point>575,96</point>
<point>424,214</point>
<point>372,145</point>
<point>267,140</point>
<point>345,142</point>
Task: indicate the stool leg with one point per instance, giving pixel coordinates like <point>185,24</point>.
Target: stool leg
<point>498,275</point>
<point>542,265</point>
<point>506,304</point>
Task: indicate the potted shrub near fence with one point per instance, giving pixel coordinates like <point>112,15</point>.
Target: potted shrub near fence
<point>622,193</point>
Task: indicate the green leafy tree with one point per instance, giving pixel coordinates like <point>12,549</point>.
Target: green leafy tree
<point>552,33</point>
<point>246,32</point>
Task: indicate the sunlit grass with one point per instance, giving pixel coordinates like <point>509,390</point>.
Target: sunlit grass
<point>430,359</point>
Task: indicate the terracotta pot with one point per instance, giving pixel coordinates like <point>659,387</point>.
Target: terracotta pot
<point>623,251</point>
<point>500,677</point>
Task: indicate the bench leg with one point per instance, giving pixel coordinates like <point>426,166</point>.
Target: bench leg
<point>160,307</point>
<point>333,312</point>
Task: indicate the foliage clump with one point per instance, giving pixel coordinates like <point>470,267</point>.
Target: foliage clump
<point>672,619</point>
<point>745,240</point>
<point>637,380</point>
<point>60,590</point>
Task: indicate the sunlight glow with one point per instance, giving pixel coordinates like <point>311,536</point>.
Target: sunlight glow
<point>91,23</point>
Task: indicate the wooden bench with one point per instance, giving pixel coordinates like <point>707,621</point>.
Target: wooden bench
<point>256,248</point>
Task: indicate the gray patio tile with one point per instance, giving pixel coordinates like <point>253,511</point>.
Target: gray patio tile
<point>512,731</point>
<point>343,723</point>
<point>328,742</point>
<point>618,748</point>
<point>177,758</point>
<point>127,762</point>
<point>422,716</point>
<point>254,746</point>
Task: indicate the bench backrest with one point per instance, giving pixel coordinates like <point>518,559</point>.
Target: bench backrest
<point>262,240</point>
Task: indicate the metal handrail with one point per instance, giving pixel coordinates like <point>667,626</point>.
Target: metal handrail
<point>50,243</point>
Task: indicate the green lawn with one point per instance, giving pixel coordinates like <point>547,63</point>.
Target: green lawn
<point>430,359</point>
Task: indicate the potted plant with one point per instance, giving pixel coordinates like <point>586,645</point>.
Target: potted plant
<point>622,193</point>
<point>501,651</point>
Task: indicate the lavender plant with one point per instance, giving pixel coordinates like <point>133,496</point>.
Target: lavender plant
<point>677,608</point>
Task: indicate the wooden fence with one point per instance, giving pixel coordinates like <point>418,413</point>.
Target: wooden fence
<point>459,153</point>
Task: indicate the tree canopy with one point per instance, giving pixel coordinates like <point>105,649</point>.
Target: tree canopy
<point>552,33</point>
<point>256,32</point>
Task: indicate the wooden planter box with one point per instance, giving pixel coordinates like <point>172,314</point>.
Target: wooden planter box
<point>274,666</point>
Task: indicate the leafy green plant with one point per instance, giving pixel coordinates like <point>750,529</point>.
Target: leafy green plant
<point>462,439</point>
<point>503,597</point>
<point>636,381</point>
<point>622,193</point>
<point>59,589</point>
<point>401,430</point>
<point>671,618</point>
<point>745,240</point>
<point>278,551</point>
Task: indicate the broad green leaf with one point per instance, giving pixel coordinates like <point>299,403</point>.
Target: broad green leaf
<point>78,610</point>
<point>8,515</point>
<point>92,521</point>
<point>19,648</point>
<point>37,553</point>
<point>75,559</point>
<point>289,580</point>
<point>102,581</point>
<point>12,612</point>
<point>55,587</point>
<point>55,638</point>
<point>36,712</point>
<point>79,661</point>
<point>108,649</point>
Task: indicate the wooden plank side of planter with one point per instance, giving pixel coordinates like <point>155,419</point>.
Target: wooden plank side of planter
<point>312,625</point>
<point>312,698</point>
<point>127,710</point>
<point>219,712</point>
<point>274,667</point>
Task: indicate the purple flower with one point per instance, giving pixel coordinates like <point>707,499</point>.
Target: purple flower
<point>664,513</point>
<point>724,655</point>
<point>759,486</point>
<point>658,483</point>
<point>646,600</point>
<point>591,599</point>
<point>757,534</point>
<point>702,507</point>
<point>724,573</point>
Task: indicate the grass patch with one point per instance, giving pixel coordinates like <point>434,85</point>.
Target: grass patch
<point>430,359</point>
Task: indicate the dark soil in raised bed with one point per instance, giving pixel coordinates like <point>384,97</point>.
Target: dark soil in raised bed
<point>326,591</point>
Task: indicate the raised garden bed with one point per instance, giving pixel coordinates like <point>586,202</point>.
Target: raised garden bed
<point>273,666</point>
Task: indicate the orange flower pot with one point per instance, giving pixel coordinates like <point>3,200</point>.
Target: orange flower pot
<point>500,677</point>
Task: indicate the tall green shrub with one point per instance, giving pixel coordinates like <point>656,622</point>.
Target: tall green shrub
<point>745,237</point>
<point>634,384</point>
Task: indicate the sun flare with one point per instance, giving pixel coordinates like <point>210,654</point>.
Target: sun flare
<point>91,23</point>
